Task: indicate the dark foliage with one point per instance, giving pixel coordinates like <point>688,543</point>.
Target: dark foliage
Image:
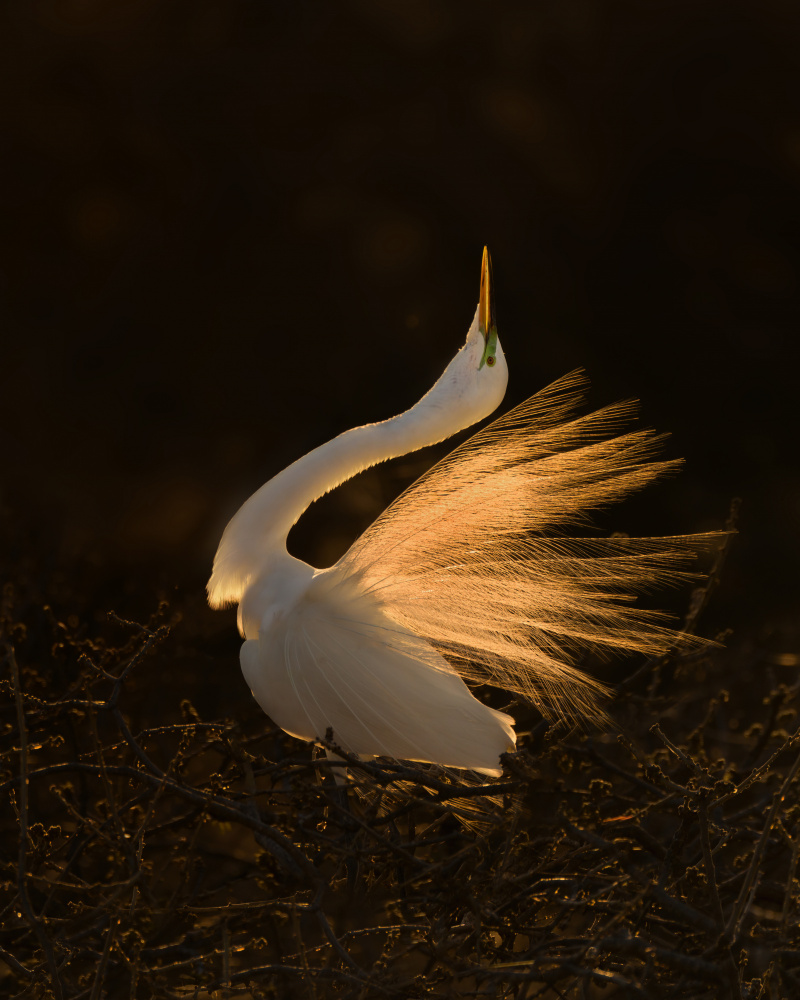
<point>150,857</point>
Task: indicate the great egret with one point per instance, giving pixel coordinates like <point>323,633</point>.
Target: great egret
<point>465,577</point>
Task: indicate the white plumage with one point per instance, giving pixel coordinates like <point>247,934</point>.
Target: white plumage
<point>469,576</point>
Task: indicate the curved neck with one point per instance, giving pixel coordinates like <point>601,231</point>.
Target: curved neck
<point>255,538</point>
<point>256,535</point>
<point>290,493</point>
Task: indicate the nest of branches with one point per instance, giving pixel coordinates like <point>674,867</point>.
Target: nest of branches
<point>151,849</point>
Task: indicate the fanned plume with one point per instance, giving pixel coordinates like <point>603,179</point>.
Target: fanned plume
<point>474,557</point>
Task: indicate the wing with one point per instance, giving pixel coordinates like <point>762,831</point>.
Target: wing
<point>337,662</point>
<point>476,556</point>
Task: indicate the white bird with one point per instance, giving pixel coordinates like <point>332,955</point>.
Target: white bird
<point>466,577</point>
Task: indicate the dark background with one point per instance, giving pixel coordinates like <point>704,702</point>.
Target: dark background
<point>231,230</point>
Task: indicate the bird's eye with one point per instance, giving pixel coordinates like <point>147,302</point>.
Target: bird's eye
<point>490,361</point>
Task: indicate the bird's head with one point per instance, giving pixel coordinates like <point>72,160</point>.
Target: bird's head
<point>474,383</point>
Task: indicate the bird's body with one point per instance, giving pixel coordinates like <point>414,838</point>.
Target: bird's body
<point>456,581</point>
<point>330,657</point>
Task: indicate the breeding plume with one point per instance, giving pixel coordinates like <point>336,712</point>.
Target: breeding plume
<point>470,577</point>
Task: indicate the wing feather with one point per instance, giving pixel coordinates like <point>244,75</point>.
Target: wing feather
<point>337,662</point>
<point>476,557</point>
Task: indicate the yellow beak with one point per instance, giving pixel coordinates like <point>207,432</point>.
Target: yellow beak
<point>487,318</point>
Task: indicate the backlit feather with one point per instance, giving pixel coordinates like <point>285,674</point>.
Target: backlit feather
<point>473,557</point>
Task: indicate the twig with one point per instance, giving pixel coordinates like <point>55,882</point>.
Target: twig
<point>744,899</point>
<point>22,872</point>
<point>757,772</point>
